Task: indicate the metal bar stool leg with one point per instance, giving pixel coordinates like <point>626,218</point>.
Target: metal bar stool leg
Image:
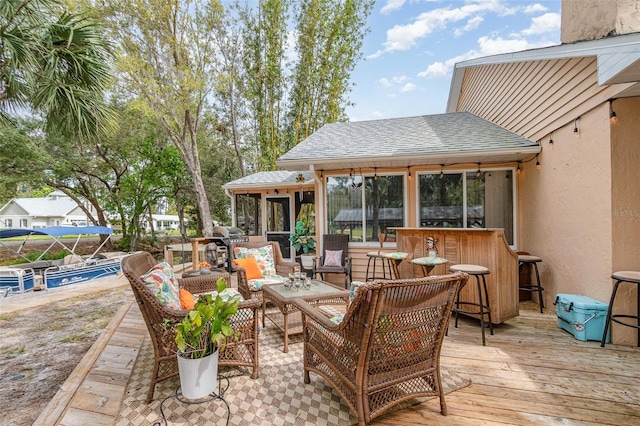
<point>488,305</point>
<point>539,286</point>
<point>608,320</point>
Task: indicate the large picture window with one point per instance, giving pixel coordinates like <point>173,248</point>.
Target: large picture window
<point>467,200</point>
<point>364,206</point>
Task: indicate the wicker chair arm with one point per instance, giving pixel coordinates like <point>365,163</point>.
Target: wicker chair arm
<point>316,315</point>
<point>285,268</point>
<point>203,283</point>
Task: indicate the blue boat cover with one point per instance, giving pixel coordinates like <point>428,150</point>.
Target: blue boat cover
<point>56,231</point>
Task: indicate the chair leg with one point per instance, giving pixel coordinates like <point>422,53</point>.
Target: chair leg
<point>608,320</point>
<point>540,299</point>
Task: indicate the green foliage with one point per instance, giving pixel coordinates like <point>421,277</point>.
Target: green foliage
<point>301,238</point>
<point>56,63</point>
<point>206,328</point>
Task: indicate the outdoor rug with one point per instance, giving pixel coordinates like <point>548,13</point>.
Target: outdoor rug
<point>277,397</point>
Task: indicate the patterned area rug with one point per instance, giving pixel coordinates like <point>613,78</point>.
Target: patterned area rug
<point>278,397</point>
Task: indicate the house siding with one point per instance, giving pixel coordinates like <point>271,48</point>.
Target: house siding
<point>578,212</point>
<point>540,95</point>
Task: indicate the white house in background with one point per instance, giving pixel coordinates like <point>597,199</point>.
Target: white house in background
<point>56,209</point>
<point>164,222</point>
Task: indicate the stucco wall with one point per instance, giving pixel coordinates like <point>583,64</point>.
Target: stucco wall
<point>563,209</point>
<point>593,19</point>
<point>625,208</point>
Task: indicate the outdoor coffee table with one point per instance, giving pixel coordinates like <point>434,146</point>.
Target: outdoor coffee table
<point>319,293</point>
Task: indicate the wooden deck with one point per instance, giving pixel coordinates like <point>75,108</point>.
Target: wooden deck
<point>531,372</point>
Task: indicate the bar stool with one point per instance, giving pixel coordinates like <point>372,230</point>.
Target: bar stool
<point>526,259</point>
<point>632,277</point>
<point>374,258</point>
<point>485,308</point>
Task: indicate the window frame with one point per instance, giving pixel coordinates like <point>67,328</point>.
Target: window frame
<point>514,186</point>
<point>363,218</point>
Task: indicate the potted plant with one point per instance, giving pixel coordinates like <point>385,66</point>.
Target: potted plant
<point>303,243</point>
<point>199,337</point>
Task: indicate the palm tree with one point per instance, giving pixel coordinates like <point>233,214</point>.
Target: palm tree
<point>55,64</point>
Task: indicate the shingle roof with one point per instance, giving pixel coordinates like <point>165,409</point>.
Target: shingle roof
<point>278,178</point>
<point>436,136</point>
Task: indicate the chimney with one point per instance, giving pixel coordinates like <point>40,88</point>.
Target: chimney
<point>592,19</point>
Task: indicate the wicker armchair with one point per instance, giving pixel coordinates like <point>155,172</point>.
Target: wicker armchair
<point>387,348</point>
<point>335,242</point>
<point>283,267</point>
<point>242,351</point>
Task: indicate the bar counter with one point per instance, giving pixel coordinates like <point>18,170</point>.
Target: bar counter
<point>485,247</point>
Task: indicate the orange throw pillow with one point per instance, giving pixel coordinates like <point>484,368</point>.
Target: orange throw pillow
<point>251,266</point>
<point>186,299</point>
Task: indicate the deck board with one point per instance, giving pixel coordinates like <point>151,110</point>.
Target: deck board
<point>530,373</point>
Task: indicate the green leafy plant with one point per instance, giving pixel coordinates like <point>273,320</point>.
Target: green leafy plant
<point>301,238</point>
<point>206,328</point>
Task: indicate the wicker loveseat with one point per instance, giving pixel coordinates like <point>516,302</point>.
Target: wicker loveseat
<point>387,347</point>
<point>242,351</point>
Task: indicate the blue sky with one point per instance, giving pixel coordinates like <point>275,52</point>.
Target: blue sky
<point>413,45</point>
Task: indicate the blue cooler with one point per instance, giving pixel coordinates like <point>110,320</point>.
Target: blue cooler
<point>581,316</point>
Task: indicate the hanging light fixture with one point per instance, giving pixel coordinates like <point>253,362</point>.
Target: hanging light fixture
<point>575,126</point>
<point>537,163</point>
<point>551,140</point>
<point>441,171</point>
<point>613,118</point>
<point>518,170</point>
<point>375,173</point>
<point>478,172</point>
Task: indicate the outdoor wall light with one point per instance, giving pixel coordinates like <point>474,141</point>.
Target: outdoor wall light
<point>551,139</point>
<point>276,191</point>
<point>537,162</point>
<point>478,172</point>
<point>575,126</point>
<point>518,170</point>
<point>441,171</point>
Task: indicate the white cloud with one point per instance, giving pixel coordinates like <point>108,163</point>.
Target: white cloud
<point>487,46</point>
<point>437,69</point>
<point>404,37</point>
<point>535,8</point>
<point>543,24</point>
<point>399,79</point>
<point>384,82</point>
<point>391,6</point>
<point>472,24</point>
<point>409,87</point>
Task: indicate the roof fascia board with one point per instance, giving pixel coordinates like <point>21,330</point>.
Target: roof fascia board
<point>534,149</point>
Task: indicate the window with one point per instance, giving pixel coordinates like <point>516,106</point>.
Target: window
<point>248,214</point>
<point>23,223</point>
<point>8,223</point>
<point>364,206</point>
<point>467,200</point>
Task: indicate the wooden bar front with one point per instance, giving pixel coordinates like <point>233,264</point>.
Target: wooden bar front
<point>485,247</point>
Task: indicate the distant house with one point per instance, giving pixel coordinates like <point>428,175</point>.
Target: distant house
<point>56,209</point>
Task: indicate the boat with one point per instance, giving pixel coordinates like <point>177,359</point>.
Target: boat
<point>48,274</point>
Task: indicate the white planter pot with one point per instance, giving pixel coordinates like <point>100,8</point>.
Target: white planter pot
<point>198,377</point>
<point>307,261</point>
